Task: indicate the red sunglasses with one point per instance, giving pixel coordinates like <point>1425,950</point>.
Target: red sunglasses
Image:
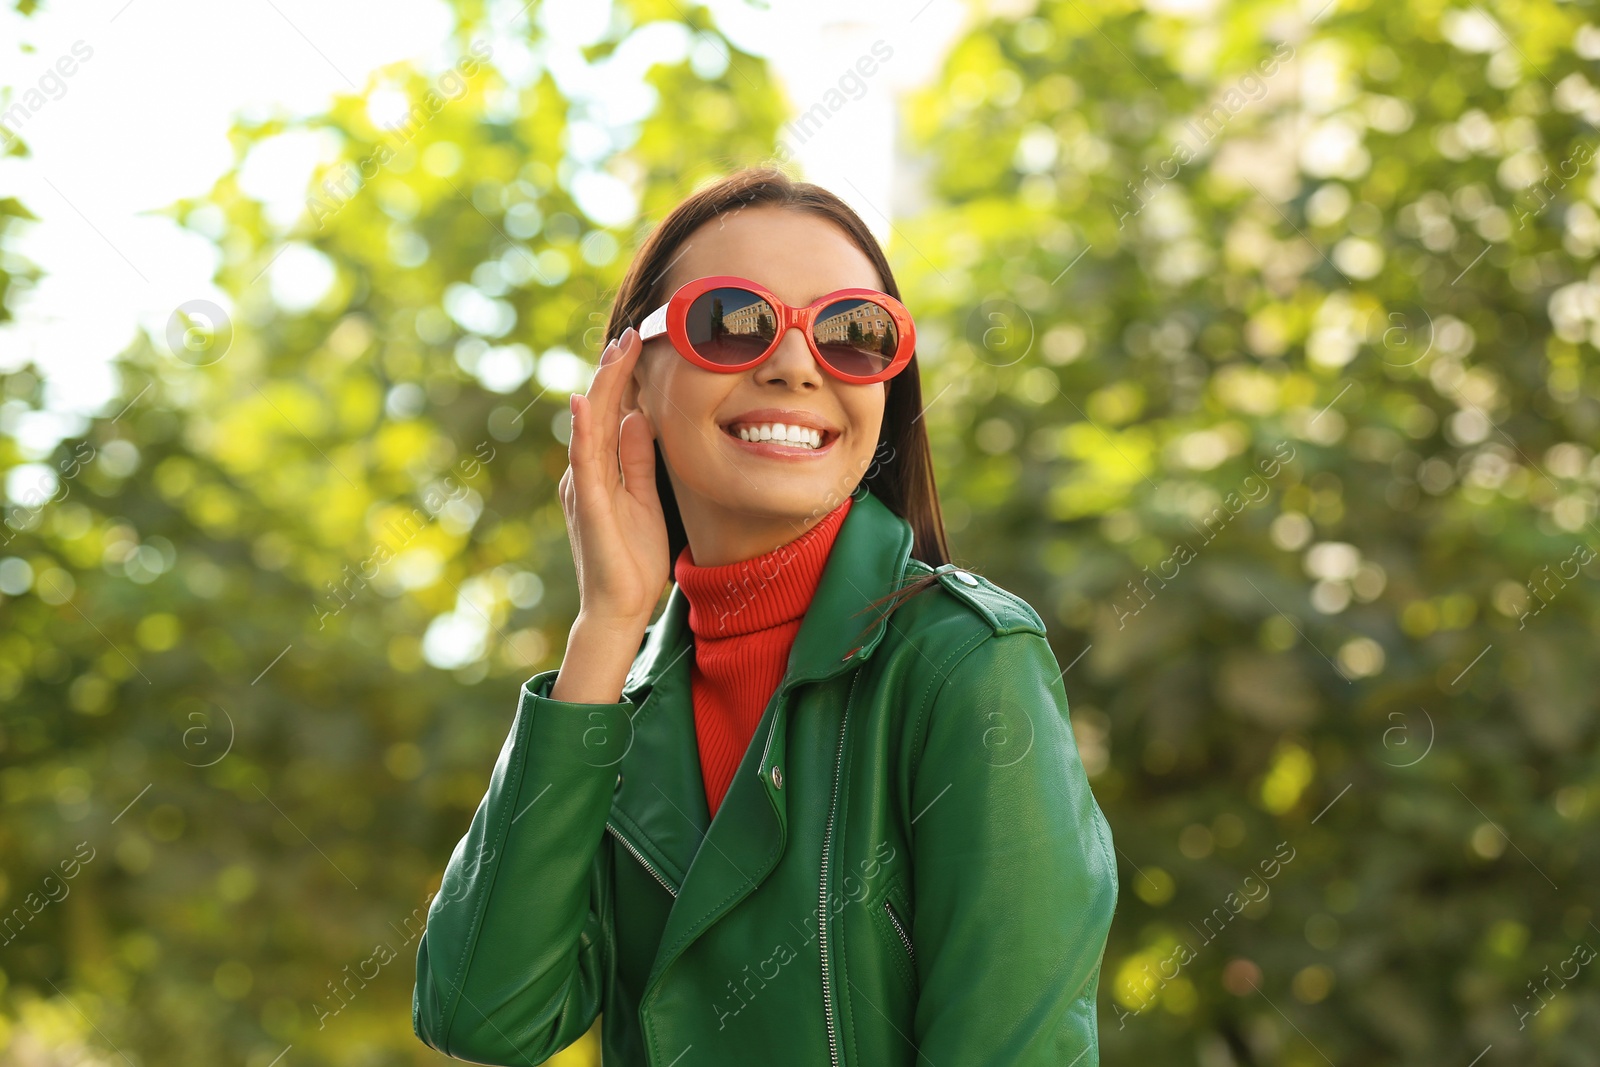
<point>730,324</point>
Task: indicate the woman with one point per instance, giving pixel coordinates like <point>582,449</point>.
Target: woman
<point>831,812</point>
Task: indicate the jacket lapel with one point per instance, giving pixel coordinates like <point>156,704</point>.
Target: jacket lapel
<point>660,806</point>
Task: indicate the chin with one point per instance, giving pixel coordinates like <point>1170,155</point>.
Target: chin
<point>797,498</point>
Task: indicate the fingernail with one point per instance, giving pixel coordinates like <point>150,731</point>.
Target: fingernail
<point>630,333</point>
<point>572,402</point>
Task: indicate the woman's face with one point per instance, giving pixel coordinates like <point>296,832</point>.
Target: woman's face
<point>739,501</point>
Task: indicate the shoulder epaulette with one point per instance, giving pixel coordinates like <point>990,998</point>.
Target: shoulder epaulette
<point>1003,610</point>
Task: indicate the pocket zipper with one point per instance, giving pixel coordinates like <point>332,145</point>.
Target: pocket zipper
<point>640,857</point>
<point>905,939</point>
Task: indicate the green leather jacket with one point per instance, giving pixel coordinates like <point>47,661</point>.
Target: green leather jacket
<point>909,859</point>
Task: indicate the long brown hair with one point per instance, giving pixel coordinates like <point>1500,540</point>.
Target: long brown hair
<point>901,474</point>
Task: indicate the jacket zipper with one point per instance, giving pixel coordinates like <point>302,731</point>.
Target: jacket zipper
<point>640,857</point>
<point>901,930</point>
<point>822,893</point>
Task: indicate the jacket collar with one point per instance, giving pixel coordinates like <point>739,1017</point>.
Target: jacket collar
<point>868,561</point>
<point>659,808</point>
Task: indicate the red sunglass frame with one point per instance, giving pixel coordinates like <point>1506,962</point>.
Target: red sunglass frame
<point>671,319</point>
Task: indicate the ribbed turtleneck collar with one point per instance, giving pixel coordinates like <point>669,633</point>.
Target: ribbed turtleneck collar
<point>769,590</point>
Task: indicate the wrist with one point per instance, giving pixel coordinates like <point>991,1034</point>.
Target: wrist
<point>599,655</point>
<point>608,628</point>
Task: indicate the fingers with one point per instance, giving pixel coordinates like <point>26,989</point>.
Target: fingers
<point>592,450</point>
<point>638,458</point>
<point>604,407</point>
<point>587,472</point>
<point>578,438</point>
<point>605,391</point>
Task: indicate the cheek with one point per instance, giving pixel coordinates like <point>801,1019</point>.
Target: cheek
<point>680,409</point>
<point>866,420</point>
<point>862,452</point>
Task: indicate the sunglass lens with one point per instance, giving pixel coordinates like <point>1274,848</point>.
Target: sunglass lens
<point>857,336</point>
<point>730,326</point>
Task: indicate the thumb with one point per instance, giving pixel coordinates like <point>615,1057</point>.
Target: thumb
<point>637,456</point>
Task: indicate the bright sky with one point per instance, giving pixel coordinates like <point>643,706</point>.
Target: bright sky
<point>142,118</point>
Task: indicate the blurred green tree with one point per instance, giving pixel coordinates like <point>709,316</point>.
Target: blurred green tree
<point>267,617</point>
<point>1268,333</point>
<point>16,272</point>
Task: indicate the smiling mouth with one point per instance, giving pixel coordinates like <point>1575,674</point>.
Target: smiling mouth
<point>751,437</point>
<point>807,442</point>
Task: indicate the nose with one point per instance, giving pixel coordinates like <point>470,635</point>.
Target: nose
<point>792,363</point>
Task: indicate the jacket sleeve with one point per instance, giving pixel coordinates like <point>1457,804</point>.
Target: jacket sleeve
<point>1014,879</point>
<point>511,965</point>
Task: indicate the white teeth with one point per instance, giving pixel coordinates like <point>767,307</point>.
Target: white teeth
<point>800,436</point>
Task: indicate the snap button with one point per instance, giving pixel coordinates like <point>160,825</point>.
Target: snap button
<point>619,783</point>
<point>777,778</point>
<point>965,577</point>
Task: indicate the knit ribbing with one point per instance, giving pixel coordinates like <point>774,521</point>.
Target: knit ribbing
<point>745,616</point>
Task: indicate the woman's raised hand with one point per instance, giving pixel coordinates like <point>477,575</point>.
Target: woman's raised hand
<point>614,518</point>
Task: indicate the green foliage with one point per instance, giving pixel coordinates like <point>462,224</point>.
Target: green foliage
<point>14,270</point>
<point>236,593</point>
<point>1292,456</point>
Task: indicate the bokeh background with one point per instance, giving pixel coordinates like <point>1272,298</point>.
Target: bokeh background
<point>1259,339</point>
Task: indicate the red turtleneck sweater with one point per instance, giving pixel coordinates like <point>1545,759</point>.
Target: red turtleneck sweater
<point>744,617</point>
